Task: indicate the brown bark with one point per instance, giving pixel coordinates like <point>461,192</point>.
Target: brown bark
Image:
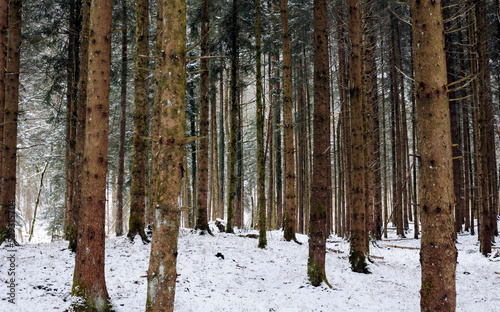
<point>317,227</point>
<point>290,211</point>
<point>138,184</point>
<point>202,154</point>
<point>3,56</point>
<point>71,106</point>
<point>123,121</point>
<point>438,254</point>
<point>485,115</point>
<point>74,217</point>
<point>162,271</point>
<point>10,116</point>
<point>359,235</point>
<point>232,187</point>
<point>89,279</point>
<point>261,161</point>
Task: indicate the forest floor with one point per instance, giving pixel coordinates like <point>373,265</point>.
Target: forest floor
<point>250,279</point>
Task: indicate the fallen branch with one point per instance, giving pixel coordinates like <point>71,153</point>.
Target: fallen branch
<point>334,250</point>
<point>403,247</point>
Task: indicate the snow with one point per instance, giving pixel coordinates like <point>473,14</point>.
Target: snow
<point>243,277</point>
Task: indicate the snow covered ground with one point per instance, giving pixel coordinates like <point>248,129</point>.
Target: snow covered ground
<point>250,279</point>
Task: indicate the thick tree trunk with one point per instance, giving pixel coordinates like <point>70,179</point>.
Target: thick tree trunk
<point>89,277</point>
<point>138,185</point>
<point>438,254</point>
<point>202,155</point>
<point>317,227</point>
<point>162,271</point>
<point>123,121</point>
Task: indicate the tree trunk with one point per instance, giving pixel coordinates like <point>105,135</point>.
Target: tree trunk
<point>222,147</point>
<point>202,155</point>
<point>289,216</point>
<point>485,115</point>
<point>71,106</point>
<point>123,121</point>
<point>138,184</point>
<point>438,254</point>
<point>3,55</point>
<point>317,227</point>
<point>10,117</point>
<point>359,235</point>
<point>261,161</point>
<point>231,189</point>
<point>89,277</point>
<point>74,217</point>
<point>162,271</point>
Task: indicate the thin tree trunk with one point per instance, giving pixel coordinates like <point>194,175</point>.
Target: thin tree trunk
<point>261,161</point>
<point>3,56</point>
<point>138,185</point>
<point>290,212</point>
<point>71,107</point>
<point>8,198</point>
<point>222,147</point>
<point>359,235</point>
<point>202,155</point>
<point>123,121</point>
<point>74,217</point>
<point>231,190</point>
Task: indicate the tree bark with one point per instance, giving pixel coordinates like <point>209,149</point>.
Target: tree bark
<point>138,184</point>
<point>10,117</point>
<point>3,59</point>
<point>202,155</point>
<point>74,217</point>
<point>89,277</point>
<point>123,121</point>
<point>290,212</point>
<point>359,235</point>
<point>261,161</point>
<point>317,226</point>
<point>438,254</point>
<point>162,271</point>
<point>231,189</point>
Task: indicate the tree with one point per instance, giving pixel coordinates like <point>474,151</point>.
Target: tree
<point>9,153</point>
<point>321,160</point>
<point>438,254</point>
<point>138,187</point>
<point>232,185</point>
<point>202,200</point>
<point>171,142</point>
<point>3,54</point>
<point>123,121</point>
<point>72,67</point>
<point>261,161</point>
<point>289,215</point>
<point>89,285</point>
<point>81,113</point>
<point>359,235</point>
